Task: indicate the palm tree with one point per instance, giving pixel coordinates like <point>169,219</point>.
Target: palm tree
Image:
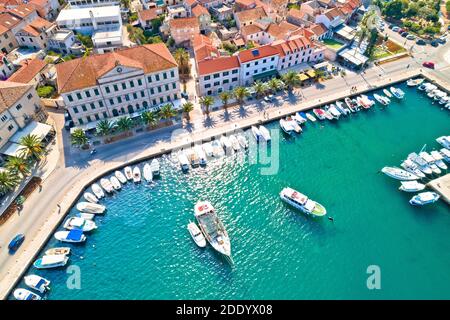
<point>18,165</point>
<point>225,96</point>
<point>260,88</point>
<point>187,107</point>
<point>368,22</point>
<point>207,102</point>
<point>319,74</point>
<point>79,138</point>
<point>150,118</point>
<point>240,94</point>
<point>291,79</point>
<point>31,146</point>
<point>167,112</point>
<point>8,181</point>
<point>125,124</point>
<point>274,84</point>
<point>104,127</point>
<point>182,58</point>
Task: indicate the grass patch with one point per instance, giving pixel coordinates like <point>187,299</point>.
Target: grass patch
<point>333,44</point>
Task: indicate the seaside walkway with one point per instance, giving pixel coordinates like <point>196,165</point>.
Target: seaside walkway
<point>442,186</point>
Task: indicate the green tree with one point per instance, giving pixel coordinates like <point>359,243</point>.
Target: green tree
<point>45,91</point>
<point>182,58</point>
<point>240,93</point>
<point>394,9</point>
<point>207,102</point>
<point>260,88</point>
<point>150,118</point>
<point>8,181</point>
<point>31,147</point>
<point>104,127</point>
<point>225,96</point>
<point>78,138</point>
<point>187,107</point>
<point>167,112</point>
<point>125,124</point>
<point>85,40</point>
<point>291,79</point>
<point>18,165</point>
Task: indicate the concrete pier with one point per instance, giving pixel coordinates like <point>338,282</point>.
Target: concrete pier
<point>442,186</point>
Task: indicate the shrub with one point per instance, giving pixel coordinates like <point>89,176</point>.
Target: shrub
<point>45,91</point>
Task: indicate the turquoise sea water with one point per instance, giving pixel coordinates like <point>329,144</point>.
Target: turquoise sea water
<point>142,249</point>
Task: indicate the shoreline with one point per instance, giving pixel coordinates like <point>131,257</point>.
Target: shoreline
<point>54,220</point>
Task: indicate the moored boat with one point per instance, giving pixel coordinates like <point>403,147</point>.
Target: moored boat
<point>147,173</point>
<point>115,183</point>
<point>24,294</point>
<point>256,133</point>
<point>382,100</point>
<point>286,126</point>
<point>424,198</point>
<point>242,141</point>
<point>446,154</point>
<point>333,111</point>
<point>302,202</point>
<point>421,163</point>
<point>387,93</point>
<point>97,190</point>
<point>208,149</point>
<point>86,216</point>
<point>298,118</point>
<point>106,185</point>
<point>184,162</point>
<point>90,197</point>
<point>193,158</point>
<point>414,82</point>
<point>51,261</point>
<point>412,167</point>
<point>320,114</point>
<point>397,92</point>
<point>350,104</point>
<point>128,173</point>
<point>430,161</point>
<point>411,186</point>
<point>119,175</point>
<point>155,167</point>
<point>234,143</point>
<point>37,283</point>
<point>264,133</point>
<point>217,149</point>
<point>72,236</point>
<point>58,251</point>
<point>310,117</point>
<point>79,224</point>
<point>136,174</point>
<point>226,144</point>
<point>438,159</point>
<point>88,207</point>
<point>196,234</point>
<point>201,154</point>
<point>341,108</point>
<point>444,141</point>
<point>398,173</point>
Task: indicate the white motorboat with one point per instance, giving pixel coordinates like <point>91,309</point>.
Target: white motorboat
<point>311,117</point>
<point>136,174</point>
<point>86,216</point>
<point>256,133</point>
<point>147,173</point>
<point>155,167</point>
<point>201,154</point>
<point>24,294</point>
<point>97,190</point>
<point>411,186</point>
<point>115,183</point>
<point>387,93</point>
<point>183,160</point>
<point>212,227</point>
<point>72,236</point>
<point>414,82</point>
<point>208,149</point>
<point>334,112</point>
<point>320,113</point>
<point>234,143</point>
<point>37,283</point>
<point>196,234</point>
<point>80,224</point>
<point>438,95</point>
<point>242,141</point>
<point>412,167</point>
<point>398,173</point>
<point>88,207</point>
<point>106,185</point>
<point>350,104</point>
<point>302,202</point>
<point>193,158</point>
<point>51,261</point>
<point>363,102</point>
<point>438,159</point>
<point>397,92</point>
<point>294,125</point>
<point>429,159</point>
<point>217,149</point>
<point>287,126</point>
<point>424,198</point>
<point>264,133</point>
<point>444,100</point>
<point>430,87</point>
<point>226,144</point>
<point>58,251</point>
<point>446,154</point>
<point>90,197</point>
<point>128,173</point>
<point>422,164</point>
<point>381,99</point>
<point>356,104</point>
<point>444,141</point>
<point>298,118</point>
<point>341,108</point>
<point>119,175</point>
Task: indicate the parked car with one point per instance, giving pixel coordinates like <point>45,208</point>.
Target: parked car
<point>428,64</point>
<point>442,40</point>
<point>434,43</point>
<point>401,30</point>
<point>16,242</point>
<point>421,42</point>
<point>410,37</point>
<point>395,28</point>
<point>404,34</point>
<point>68,125</point>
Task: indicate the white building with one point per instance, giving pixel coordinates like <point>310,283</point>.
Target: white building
<point>258,64</point>
<point>36,34</point>
<point>218,75</point>
<point>64,41</point>
<point>93,3</point>
<point>124,82</point>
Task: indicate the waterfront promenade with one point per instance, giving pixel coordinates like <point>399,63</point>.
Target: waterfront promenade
<point>442,186</point>
<point>75,170</point>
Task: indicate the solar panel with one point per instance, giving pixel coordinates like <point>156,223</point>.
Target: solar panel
<point>255,52</point>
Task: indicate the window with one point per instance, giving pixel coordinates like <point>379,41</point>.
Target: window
<point>127,97</point>
<point>226,73</point>
<point>174,85</point>
<point>97,117</point>
<point>10,127</point>
<point>111,102</point>
<point>139,82</point>
<point>234,71</point>
<point>132,83</point>
<point>247,65</point>
<point>75,109</point>
<point>69,97</point>
<point>124,86</point>
<point>119,99</point>
<point>83,107</point>
<point>96,92</point>
<point>167,87</point>
<point>216,75</point>
<point>165,75</point>
<point>152,91</point>
<point>207,85</point>
<point>79,96</point>
<point>217,83</point>
<point>135,95</point>
<point>88,118</point>
<point>92,106</point>
<point>234,79</point>
<point>116,88</point>
<point>272,59</point>
<point>149,78</point>
<point>29,96</point>
<point>247,73</point>
<point>4,118</point>
<point>255,71</point>
<point>207,77</point>
<point>105,115</point>
<point>271,67</point>
<point>100,103</point>
<point>80,121</point>
<point>107,90</point>
<point>142,94</point>
<point>88,94</point>
<point>157,77</point>
<point>257,62</point>
<point>18,107</point>
<point>226,81</point>
<point>159,89</point>
<point>172,73</point>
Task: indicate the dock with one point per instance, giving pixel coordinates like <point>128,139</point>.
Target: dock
<point>442,186</point>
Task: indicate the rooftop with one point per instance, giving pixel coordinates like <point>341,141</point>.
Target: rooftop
<point>218,64</point>
<point>85,13</point>
<point>257,53</point>
<point>28,71</point>
<point>10,92</point>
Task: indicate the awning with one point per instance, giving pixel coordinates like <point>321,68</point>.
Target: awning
<point>311,73</point>
<point>34,128</point>
<point>12,149</point>
<point>266,74</point>
<point>321,65</point>
<point>303,77</point>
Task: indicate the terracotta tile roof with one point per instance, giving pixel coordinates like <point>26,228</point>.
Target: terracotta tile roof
<point>147,15</point>
<point>28,71</point>
<point>37,26</point>
<point>296,13</point>
<point>279,3</point>
<point>303,32</point>
<point>39,3</point>
<point>83,72</point>
<point>250,29</point>
<point>10,2</point>
<point>11,92</point>
<point>217,65</point>
<point>257,53</point>
<point>251,15</point>
<point>23,11</point>
<point>8,20</point>
<point>282,30</point>
<point>295,43</point>
<point>333,13</point>
<point>199,10</point>
<point>3,29</point>
<point>190,3</point>
<point>245,3</point>
<point>203,48</point>
<point>182,23</point>
<point>318,29</point>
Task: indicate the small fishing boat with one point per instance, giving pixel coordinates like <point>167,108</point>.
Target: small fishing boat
<point>430,87</point>
<point>387,93</point>
<point>90,197</point>
<point>414,82</point>
<point>303,116</point>
<point>264,133</point>
<point>51,261</point>
<point>97,190</point>
<point>327,115</point>
<point>438,159</point>
<point>365,101</point>
<point>184,162</point>
<point>72,236</point>
<point>398,173</point>
<point>446,154</point>
<point>256,133</point>
<point>286,126</point>
<point>192,157</point>
<point>85,216</point>
<point>37,283</point>
<point>398,93</point>
<point>423,86</point>
<point>310,117</point>
<point>294,125</point>
<point>421,163</point>
<point>115,183</point>
<point>106,185</point>
<point>218,151</point>
<point>382,100</point>
<point>356,104</point>
<point>341,108</point>
<point>234,143</point>
<point>79,224</point>
<point>444,141</point>
<point>411,186</point>
<point>155,167</point>
<point>58,251</point>
<point>24,294</point>
<point>320,114</point>
<point>242,141</point>
<point>430,161</point>
<point>201,154</point>
<point>88,207</point>
<point>136,174</point>
<point>226,144</point>
<point>298,118</point>
<point>334,111</point>
<point>302,202</point>
<point>196,234</point>
<point>412,167</point>
<point>350,104</point>
<point>147,173</point>
<point>128,173</point>
<point>119,175</point>
<point>208,149</point>
<point>424,198</point>
<point>444,100</point>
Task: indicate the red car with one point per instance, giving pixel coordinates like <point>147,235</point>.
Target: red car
<point>428,64</point>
